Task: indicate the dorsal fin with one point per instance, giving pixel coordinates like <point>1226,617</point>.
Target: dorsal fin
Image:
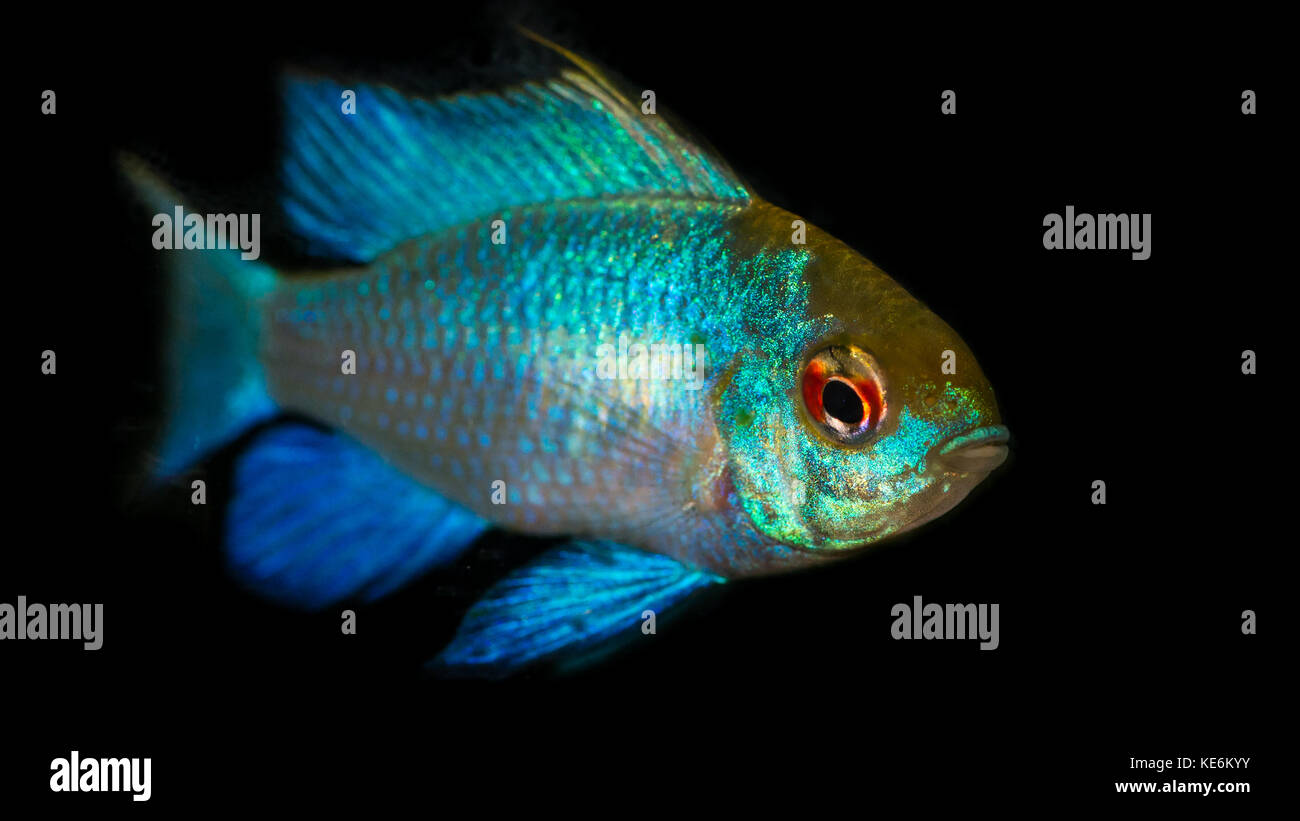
<point>402,166</point>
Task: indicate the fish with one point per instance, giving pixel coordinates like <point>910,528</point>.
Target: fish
<point>550,309</point>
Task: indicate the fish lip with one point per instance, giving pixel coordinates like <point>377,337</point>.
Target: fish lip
<point>984,435</point>
<point>980,450</point>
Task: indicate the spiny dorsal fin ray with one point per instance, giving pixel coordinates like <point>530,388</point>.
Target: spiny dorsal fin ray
<point>629,101</point>
<point>401,166</point>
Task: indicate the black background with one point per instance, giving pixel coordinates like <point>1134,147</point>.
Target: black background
<point>1120,624</point>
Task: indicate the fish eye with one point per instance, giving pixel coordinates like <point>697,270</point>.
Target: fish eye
<point>843,394</point>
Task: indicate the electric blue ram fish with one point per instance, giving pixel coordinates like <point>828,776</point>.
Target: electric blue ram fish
<point>565,317</point>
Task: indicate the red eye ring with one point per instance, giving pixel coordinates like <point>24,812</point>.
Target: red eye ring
<point>850,423</point>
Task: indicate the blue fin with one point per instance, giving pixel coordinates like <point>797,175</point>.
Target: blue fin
<point>317,518</point>
<point>564,604</point>
<point>214,385</point>
<point>400,166</point>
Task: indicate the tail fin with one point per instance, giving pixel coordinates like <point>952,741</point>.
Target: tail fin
<point>215,387</point>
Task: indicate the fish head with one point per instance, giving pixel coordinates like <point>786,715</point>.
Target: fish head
<point>862,418</point>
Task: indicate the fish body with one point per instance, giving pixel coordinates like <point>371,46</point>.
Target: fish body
<point>478,362</point>
<point>507,254</point>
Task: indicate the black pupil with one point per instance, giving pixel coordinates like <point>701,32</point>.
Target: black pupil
<point>843,403</point>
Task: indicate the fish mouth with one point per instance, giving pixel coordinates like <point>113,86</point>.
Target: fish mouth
<point>976,451</point>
